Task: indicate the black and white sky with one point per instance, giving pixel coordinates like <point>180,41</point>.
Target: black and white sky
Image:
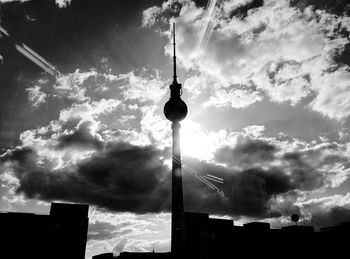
<point>82,89</point>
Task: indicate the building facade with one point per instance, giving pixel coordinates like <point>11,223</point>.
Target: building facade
<point>61,234</point>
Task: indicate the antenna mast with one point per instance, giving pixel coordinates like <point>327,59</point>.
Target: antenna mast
<point>174,57</point>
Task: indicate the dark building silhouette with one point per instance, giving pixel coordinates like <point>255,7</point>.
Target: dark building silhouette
<point>211,238</point>
<point>104,256</point>
<point>135,255</point>
<point>204,235</point>
<point>61,234</point>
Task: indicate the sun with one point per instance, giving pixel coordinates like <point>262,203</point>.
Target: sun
<point>197,143</point>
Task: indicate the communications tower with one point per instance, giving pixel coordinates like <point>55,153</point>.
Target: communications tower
<point>175,110</point>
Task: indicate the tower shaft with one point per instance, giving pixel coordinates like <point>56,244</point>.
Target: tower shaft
<point>177,206</point>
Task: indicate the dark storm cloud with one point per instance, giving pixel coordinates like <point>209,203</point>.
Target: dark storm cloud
<point>303,167</point>
<point>246,152</point>
<point>306,166</point>
<point>242,11</point>
<point>332,217</point>
<point>337,7</point>
<point>283,174</point>
<point>303,175</point>
<point>122,177</point>
<point>80,138</point>
<point>21,155</point>
<point>201,198</point>
<point>257,204</point>
<point>101,230</point>
<point>276,181</point>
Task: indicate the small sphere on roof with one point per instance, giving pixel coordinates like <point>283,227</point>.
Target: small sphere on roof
<point>295,218</point>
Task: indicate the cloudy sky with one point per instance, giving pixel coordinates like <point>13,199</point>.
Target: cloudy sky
<point>83,84</point>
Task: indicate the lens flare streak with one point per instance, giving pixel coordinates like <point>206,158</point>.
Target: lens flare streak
<point>32,55</point>
<point>36,59</point>
<point>204,179</point>
<point>207,28</point>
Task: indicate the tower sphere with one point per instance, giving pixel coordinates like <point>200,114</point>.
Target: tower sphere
<point>175,110</point>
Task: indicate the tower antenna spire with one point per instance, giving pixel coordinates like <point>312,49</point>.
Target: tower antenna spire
<point>174,57</point>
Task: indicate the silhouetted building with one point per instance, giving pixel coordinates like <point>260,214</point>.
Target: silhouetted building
<point>205,237</point>
<point>144,255</point>
<point>248,193</point>
<point>62,234</point>
<point>104,256</point>
<point>212,238</point>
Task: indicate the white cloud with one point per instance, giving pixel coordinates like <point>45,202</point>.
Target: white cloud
<point>150,88</point>
<point>194,85</point>
<point>36,96</point>
<point>9,184</point>
<point>84,86</point>
<point>90,107</point>
<point>127,118</point>
<point>235,98</point>
<point>254,130</point>
<point>283,81</point>
<point>150,16</point>
<point>154,126</point>
<point>30,138</point>
<point>132,232</point>
<point>329,201</point>
<point>333,99</point>
<point>277,49</point>
<point>89,110</point>
<point>44,140</point>
<point>336,175</point>
<point>63,3</point>
<point>73,85</point>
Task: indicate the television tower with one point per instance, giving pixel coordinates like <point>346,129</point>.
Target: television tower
<point>175,110</point>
